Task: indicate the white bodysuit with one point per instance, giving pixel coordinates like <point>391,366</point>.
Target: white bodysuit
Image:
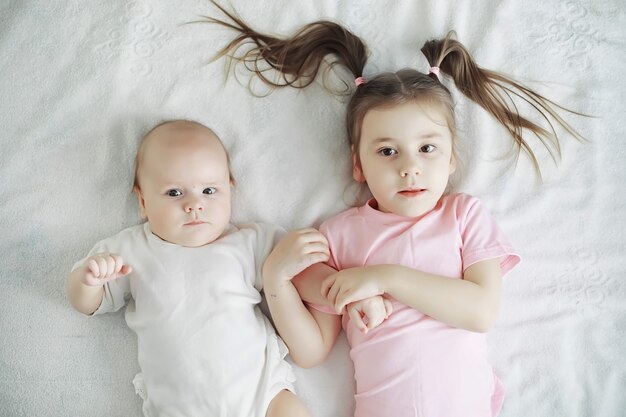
<point>205,348</point>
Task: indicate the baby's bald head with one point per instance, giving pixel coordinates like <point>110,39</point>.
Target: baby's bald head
<point>174,133</point>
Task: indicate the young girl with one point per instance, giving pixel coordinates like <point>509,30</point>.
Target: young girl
<point>439,258</point>
<point>193,280</point>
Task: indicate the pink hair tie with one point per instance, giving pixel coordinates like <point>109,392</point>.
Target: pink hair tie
<point>359,80</point>
<point>434,70</point>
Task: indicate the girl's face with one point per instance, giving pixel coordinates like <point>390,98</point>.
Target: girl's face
<point>406,157</point>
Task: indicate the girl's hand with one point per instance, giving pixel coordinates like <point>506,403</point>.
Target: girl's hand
<point>104,267</point>
<point>295,252</point>
<point>369,313</point>
<point>350,285</point>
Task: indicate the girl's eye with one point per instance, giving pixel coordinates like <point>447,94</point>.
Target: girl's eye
<point>428,148</point>
<point>387,151</point>
<point>174,193</point>
<point>209,190</point>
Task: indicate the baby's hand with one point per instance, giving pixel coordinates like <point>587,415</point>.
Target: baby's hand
<point>104,267</point>
<point>369,313</point>
<point>295,252</point>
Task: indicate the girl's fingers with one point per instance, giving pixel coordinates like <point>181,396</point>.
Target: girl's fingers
<point>326,286</point>
<point>332,295</point>
<point>343,299</point>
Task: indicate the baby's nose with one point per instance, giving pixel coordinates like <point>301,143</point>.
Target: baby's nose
<point>193,206</point>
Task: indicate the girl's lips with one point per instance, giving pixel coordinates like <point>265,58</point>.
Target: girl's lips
<point>411,193</point>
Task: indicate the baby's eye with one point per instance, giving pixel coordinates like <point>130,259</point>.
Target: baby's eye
<point>428,148</point>
<point>174,192</point>
<point>209,190</point>
<point>387,151</point>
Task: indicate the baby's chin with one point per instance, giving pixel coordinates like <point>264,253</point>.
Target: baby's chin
<point>198,241</point>
<point>193,240</point>
<point>194,244</point>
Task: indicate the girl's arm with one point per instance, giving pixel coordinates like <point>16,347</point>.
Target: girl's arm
<point>471,303</point>
<point>365,314</point>
<point>310,335</point>
<point>309,284</point>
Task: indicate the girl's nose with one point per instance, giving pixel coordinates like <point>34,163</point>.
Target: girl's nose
<point>410,166</point>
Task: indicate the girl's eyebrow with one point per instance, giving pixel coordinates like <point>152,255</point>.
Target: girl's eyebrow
<point>426,135</point>
<point>382,139</point>
<point>430,135</point>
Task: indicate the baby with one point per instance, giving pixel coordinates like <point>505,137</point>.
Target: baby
<point>192,282</point>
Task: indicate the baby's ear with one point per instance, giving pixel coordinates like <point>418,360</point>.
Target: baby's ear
<point>141,201</point>
<point>357,172</point>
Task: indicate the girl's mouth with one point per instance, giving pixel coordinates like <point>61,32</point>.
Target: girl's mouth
<point>412,192</point>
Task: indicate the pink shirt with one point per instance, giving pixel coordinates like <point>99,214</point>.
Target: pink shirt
<point>413,365</point>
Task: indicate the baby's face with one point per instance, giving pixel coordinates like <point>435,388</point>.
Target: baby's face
<point>185,185</point>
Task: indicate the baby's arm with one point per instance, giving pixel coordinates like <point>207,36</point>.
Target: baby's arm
<point>85,283</point>
<point>309,334</point>
<point>471,303</point>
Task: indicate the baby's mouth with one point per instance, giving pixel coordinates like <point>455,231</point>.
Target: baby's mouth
<point>194,223</point>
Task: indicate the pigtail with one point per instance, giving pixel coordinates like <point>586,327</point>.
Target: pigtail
<point>495,93</point>
<point>298,58</point>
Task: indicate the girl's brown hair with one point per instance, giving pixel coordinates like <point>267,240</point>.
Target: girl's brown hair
<point>299,58</point>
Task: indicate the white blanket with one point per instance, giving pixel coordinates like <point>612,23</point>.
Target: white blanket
<point>81,81</point>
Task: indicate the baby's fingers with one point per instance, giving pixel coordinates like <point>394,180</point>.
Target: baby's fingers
<point>118,264</point>
<point>312,259</point>
<point>125,270</point>
<point>357,318</point>
<point>104,267</point>
<point>388,307</point>
<point>93,267</point>
<point>318,248</point>
<point>313,235</point>
<point>374,320</point>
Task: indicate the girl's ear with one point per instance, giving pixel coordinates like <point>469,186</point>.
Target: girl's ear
<point>452,165</point>
<point>357,172</point>
<point>142,203</point>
